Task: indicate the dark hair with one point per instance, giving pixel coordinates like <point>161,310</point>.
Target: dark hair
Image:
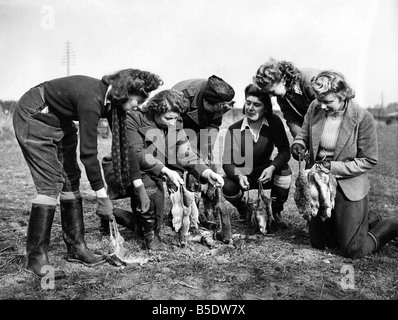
<point>168,100</point>
<point>131,82</point>
<point>274,71</point>
<point>254,90</point>
<point>329,81</point>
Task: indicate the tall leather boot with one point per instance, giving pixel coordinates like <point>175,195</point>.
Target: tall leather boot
<point>38,239</point>
<point>385,231</point>
<point>73,234</point>
<point>279,222</point>
<point>129,219</point>
<point>151,231</point>
<point>374,218</point>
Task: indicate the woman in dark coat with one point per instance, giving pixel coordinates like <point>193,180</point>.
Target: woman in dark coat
<point>47,135</point>
<point>157,137</point>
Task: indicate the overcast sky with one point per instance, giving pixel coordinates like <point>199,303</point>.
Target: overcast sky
<point>182,39</point>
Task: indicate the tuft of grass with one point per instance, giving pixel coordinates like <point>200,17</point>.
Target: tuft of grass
<point>6,127</point>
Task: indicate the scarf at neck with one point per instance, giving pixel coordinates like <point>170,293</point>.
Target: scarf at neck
<point>120,150</point>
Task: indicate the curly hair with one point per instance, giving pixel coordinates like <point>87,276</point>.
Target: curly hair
<point>330,81</point>
<point>274,71</point>
<point>131,82</point>
<point>168,100</point>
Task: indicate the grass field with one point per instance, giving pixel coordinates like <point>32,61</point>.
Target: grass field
<point>279,266</point>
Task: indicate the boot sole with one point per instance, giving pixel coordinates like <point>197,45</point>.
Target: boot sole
<point>85,263</point>
<point>59,277</point>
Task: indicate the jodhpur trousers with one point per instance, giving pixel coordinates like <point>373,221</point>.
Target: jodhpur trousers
<point>48,146</point>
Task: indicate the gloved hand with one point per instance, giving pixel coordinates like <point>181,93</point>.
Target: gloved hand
<point>105,208</point>
<point>142,199</point>
<point>297,149</point>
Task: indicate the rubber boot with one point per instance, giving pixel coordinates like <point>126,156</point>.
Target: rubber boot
<point>373,218</point>
<point>385,231</point>
<point>38,240</point>
<point>279,222</point>
<point>130,220</point>
<point>151,230</point>
<point>73,234</point>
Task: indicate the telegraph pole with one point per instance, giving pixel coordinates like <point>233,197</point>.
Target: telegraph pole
<point>69,56</point>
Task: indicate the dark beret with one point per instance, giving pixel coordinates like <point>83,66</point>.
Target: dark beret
<point>217,90</point>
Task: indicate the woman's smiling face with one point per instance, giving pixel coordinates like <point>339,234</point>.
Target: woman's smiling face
<point>330,103</point>
<point>254,108</point>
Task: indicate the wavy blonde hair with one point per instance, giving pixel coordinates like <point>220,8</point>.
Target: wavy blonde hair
<point>330,81</point>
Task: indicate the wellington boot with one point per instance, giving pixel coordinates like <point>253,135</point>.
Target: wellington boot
<point>279,222</point>
<point>154,242</point>
<point>130,220</point>
<point>73,234</point>
<point>38,240</point>
<point>385,231</point>
<point>374,218</point>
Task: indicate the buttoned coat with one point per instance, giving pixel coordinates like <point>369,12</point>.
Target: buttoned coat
<point>356,149</point>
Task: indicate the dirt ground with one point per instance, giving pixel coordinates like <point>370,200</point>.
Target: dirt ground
<point>279,266</point>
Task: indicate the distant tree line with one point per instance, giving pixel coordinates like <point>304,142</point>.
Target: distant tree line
<point>388,114</point>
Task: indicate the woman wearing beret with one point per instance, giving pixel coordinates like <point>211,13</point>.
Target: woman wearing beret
<point>47,135</point>
<point>341,136</point>
<point>292,88</point>
<point>157,137</point>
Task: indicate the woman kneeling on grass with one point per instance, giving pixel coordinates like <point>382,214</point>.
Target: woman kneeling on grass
<point>156,136</point>
<point>341,136</point>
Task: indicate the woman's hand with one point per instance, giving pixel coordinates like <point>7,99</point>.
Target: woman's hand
<point>267,174</point>
<point>244,182</point>
<point>297,149</point>
<point>173,176</point>
<point>214,178</point>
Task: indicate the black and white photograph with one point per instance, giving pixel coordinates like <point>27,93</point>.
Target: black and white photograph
<point>203,157</point>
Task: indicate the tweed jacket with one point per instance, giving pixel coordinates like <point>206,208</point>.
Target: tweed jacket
<point>156,148</point>
<point>356,149</point>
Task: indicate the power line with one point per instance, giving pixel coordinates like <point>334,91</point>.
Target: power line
<point>69,57</point>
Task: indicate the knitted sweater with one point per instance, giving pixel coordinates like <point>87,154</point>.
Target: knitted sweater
<point>260,152</point>
<point>81,98</point>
